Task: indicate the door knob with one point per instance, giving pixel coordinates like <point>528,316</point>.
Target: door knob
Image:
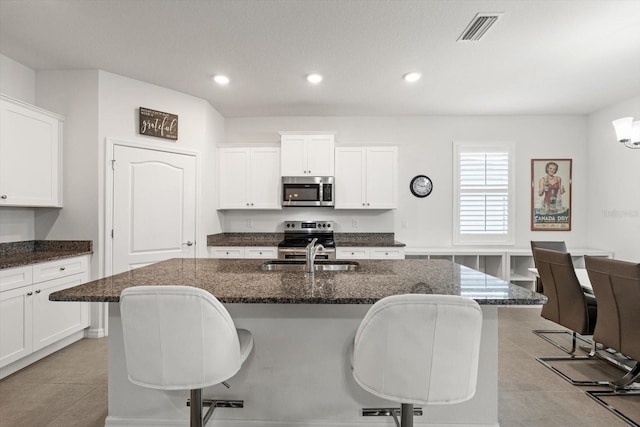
<point>189,243</point>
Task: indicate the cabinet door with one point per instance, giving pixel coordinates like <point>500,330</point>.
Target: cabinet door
<point>264,181</point>
<point>54,320</point>
<point>233,178</point>
<point>381,181</point>
<point>267,252</point>
<point>29,156</point>
<point>350,178</point>
<point>226,252</point>
<point>352,253</point>
<point>293,158</point>
<point>320,155</point>
<point>387,253</point>
<point>15,324</point>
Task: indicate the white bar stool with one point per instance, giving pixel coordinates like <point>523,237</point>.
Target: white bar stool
<point>181,338</point>
<point>418,349</point>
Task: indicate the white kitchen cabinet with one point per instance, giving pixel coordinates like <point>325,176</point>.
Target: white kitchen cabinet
<point>16,317</point>
<point>29,322</point>
<point>307,155</point>
<point>30,155</point>
<point>261,252</point>
<point>249,178</point>
<point>394,252</point>
<point>366,177</point>
<point>240,252</point>
<point>352,253</point>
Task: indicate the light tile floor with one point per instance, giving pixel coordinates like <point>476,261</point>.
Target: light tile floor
<point>69,388</point>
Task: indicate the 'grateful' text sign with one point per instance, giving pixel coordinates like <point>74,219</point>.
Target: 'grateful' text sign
<point>159,124</point>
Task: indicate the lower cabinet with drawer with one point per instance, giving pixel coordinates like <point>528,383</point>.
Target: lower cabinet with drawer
<point>239,252</point>
<point>395,252</point>
<point>31,326</point>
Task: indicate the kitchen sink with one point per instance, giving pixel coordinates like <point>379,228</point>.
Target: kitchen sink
<point>300,265</point>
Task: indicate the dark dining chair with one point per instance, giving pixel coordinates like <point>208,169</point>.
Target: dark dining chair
<point>567,306</point>
<point>616,285</point>
<point>559,246</point>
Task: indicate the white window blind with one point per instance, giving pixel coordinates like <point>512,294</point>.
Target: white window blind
<point>483,199</point>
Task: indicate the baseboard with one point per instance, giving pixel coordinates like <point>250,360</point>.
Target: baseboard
<point>136,422</point>
<point>95,333</point>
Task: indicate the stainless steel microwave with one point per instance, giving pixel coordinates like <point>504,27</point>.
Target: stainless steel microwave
<point>307,191</point>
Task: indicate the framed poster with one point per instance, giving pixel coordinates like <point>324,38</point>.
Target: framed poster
<point>550,194</point>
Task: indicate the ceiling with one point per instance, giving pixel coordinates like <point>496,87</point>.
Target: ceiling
<point>541,57</point>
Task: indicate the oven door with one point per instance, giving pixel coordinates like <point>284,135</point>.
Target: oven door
<point>301,253</point>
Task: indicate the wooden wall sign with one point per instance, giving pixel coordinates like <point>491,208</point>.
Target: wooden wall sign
<point>158,124</point>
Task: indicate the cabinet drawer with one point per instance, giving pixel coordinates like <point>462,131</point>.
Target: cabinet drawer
<point>12,278</point>
<point>227,252</point>
<point>352,253</point>
<point>387,253</point>
<point>59,268</point>
<point>261,252</point>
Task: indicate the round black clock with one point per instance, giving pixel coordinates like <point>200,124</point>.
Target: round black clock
<point>421,186</point>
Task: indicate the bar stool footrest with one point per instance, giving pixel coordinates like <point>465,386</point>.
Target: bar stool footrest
<point>387,412</point>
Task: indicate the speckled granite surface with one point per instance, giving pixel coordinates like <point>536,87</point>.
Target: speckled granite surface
<point>244,239</point>
<point>272,239</point>
<point>366,240</point>
<point>242,281</point>
<point>16,254</point>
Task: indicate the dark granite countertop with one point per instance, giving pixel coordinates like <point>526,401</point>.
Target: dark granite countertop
<point>242,281</point>
<point>17,254</point>
<point>272,239</point>
<point>244,239</point>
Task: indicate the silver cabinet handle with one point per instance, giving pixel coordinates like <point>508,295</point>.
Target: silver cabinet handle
<point>38,291</point>
<point>3,197</point>
<point>189,243</point>
<point>63,268</point>
<point>29,293</point>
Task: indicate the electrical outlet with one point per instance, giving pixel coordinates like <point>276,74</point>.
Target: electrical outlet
<point>354,223</point>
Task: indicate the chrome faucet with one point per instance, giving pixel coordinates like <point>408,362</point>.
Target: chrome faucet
<point>312,251</point>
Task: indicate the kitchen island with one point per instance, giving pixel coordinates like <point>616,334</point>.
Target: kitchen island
<point>299,373</point>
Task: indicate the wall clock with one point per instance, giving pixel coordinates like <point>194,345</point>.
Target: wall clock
<point>421,186</point>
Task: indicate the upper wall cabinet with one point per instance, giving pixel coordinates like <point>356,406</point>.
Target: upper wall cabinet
<point>366,177</point>
<point>249,178</point>
<point>307,155</point>
<point>30,155</point>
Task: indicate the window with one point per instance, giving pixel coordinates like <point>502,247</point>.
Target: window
<point>483,202</point>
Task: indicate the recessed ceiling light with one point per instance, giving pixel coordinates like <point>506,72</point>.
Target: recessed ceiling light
<point>314,78</point>
<point>412,77</point>
<point>220,79</point>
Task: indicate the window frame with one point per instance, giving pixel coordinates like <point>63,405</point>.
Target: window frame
<point>507,238</point>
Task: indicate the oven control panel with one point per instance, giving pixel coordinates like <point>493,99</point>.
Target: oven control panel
<point>308,226</point>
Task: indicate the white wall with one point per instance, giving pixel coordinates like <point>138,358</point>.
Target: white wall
<point>199,126</point>
<point>16,81</point>
<point>74,94</point>
<point>613,184</point>
<point>425,147</point>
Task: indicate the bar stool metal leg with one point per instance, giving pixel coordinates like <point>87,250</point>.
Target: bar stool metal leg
<point>406,415</point>
<point>196,408</point>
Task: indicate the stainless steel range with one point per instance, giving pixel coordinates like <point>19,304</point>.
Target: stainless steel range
<point>298,234</point>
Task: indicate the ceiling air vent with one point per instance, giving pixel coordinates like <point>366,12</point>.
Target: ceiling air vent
<point>479,26</point>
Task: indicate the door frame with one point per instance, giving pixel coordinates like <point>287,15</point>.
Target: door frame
<point>111,143</point>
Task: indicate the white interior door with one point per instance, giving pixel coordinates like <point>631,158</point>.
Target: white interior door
<point>154,207</point>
